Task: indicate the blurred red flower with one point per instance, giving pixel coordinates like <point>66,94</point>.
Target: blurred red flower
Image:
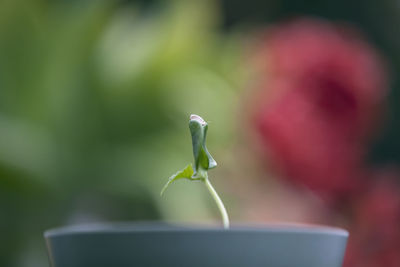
<point>375,232</point>
<point>320,91</point>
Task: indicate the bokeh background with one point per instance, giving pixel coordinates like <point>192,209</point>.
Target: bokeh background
<point>301,98</point>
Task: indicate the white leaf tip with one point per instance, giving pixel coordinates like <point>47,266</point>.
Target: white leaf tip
<point>194,117</point>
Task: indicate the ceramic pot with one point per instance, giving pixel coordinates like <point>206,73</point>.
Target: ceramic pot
<point>151,245</point>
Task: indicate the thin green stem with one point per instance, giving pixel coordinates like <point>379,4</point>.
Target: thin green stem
<point>221,207</point>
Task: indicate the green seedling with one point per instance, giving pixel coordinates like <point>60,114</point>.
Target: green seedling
<point>203,162</point>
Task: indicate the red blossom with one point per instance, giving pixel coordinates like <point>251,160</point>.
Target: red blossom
<point>318,98</point>
<point>375,232</point>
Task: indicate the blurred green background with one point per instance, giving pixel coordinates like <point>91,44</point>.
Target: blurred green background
<point>94,103</point>
<point>95,98</point>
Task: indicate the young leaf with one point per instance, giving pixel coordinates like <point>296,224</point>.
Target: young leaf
<point>202,158</point>
<point>187,173</point>
<point>202,163</point>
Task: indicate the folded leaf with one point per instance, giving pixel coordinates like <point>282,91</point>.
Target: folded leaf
<point>187,173</point>
<point>202,158</point>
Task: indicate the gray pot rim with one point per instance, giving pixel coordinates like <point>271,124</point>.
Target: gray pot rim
<point>154,227</point>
